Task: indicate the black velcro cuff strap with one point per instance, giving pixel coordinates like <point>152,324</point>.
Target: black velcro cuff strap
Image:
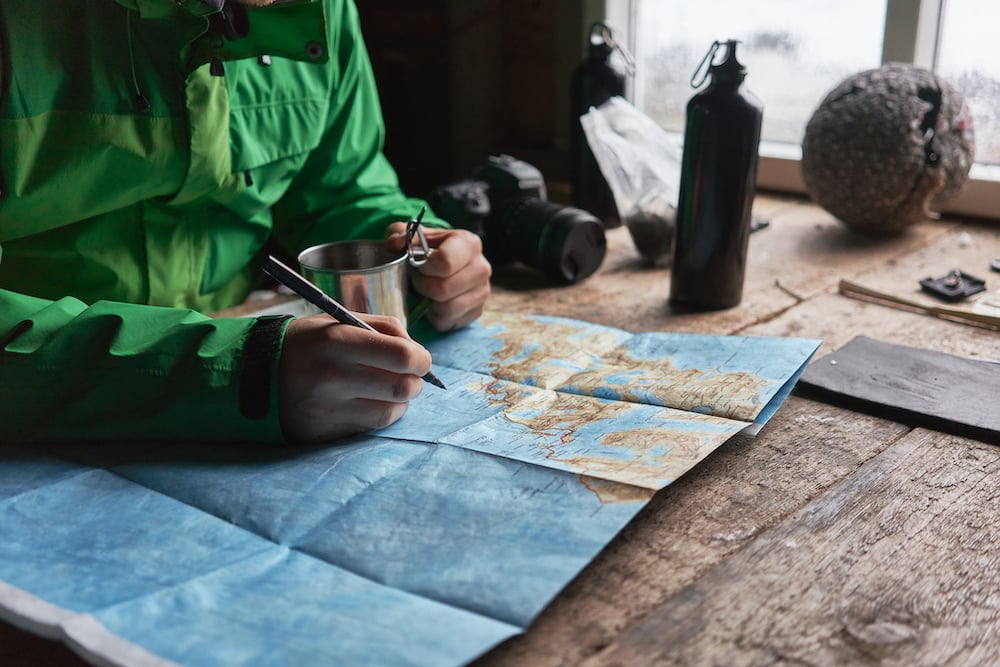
<point>259,356</point>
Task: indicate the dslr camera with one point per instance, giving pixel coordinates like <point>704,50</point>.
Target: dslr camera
<point>504,203</point>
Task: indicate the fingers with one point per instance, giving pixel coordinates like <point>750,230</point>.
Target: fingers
<point>457,279</point>
<point>389,348</point>
<point>453,248</point>
<point>322,422</point>
<point>385,324</point>
<point>459,311</point>
<point>364,383</point>
<point>395,235</point>
<point>336,379</point>
<point>456,276</point>
<point>446,277</point>
<point>453,252</point>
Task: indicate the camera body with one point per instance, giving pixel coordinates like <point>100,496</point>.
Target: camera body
<point>505,204</point>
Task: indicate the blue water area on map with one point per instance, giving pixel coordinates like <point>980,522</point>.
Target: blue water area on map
<point>201,553</point>
<point>438,412</point>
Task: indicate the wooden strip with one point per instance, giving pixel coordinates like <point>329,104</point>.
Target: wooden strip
<point>956,314</point>
<point>837,319</point>
<point>897,565</point>
<point>807,251</point>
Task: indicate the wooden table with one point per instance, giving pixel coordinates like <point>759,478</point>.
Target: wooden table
<point>832,537</point>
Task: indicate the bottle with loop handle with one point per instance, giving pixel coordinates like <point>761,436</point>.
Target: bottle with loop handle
<point>717,185</point>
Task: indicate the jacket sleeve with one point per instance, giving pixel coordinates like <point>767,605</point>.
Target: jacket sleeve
<point>347,188</point>
<point>114,371</point>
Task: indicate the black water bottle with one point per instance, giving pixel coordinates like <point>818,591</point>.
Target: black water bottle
<point>718,182</point>
<point>595,81</point>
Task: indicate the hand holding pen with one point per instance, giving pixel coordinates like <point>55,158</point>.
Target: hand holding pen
<point>317,297</point>
<point>336,380</point>
<point>325,392</point>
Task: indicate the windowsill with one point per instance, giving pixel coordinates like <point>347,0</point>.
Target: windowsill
<point>778,170</point>
<point>985,172</point>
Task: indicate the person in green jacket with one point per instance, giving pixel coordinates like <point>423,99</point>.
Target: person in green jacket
<point>151,151</point>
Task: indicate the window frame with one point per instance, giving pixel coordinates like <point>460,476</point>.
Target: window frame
<point>912,29</point>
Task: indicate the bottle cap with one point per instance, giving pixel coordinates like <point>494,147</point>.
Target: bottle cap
<point>603,44</point>
<point>601,41</point>
<point>729,70</point>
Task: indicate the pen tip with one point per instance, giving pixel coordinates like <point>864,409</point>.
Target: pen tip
<point>430,377</point>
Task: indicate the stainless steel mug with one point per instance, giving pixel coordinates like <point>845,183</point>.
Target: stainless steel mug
<point>362,275</point>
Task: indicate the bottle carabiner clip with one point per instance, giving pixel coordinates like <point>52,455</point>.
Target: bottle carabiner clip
<point>417,254</point>
<point>608,37</point>
<point>709,57</point>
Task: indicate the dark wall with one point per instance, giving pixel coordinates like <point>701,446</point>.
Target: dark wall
<point>408,45</point>
<point>460,81</point>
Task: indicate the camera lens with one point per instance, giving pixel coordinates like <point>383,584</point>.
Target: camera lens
<point>565,243</point>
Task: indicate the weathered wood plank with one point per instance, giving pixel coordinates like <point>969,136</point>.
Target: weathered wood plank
<point>837,319</point>
<point>744,488</point>
<point>804,252</point>
<point>969,246</point>
<point>897,565</point>
<point>811,251</point>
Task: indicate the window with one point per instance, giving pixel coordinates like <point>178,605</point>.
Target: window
<point>795,52</point>
<point>967,58</point>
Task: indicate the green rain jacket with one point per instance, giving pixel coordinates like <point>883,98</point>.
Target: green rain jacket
<point>149,149</point>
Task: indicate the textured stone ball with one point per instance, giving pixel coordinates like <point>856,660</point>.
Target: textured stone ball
<point>886,146</point>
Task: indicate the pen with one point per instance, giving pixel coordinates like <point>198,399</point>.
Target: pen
<point>314,295</point>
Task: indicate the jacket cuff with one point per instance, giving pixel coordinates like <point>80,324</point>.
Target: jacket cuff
<point>258,379</point>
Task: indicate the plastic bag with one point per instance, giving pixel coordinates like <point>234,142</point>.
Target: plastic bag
<point>642,165</point>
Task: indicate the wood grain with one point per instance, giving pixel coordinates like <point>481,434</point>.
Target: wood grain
<point>896,565</point>
<point>744,488</point>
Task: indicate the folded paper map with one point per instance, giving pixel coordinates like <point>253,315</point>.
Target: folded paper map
<point>425,543</point>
